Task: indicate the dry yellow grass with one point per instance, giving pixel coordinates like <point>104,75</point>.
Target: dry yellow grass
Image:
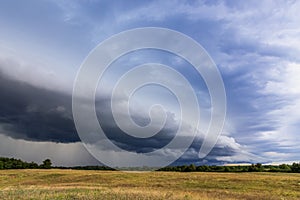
<point>73,184</point>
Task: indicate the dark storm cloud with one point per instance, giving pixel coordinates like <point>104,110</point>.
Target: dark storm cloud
<point>36,114</point>
<point>226,146</point>
<point>31,113</point>
<point>130,143</point>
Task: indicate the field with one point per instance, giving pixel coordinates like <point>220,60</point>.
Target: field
<point>76,184</point>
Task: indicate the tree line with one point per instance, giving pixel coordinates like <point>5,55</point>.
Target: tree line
<point>293,168</point>
<point>12,163</point>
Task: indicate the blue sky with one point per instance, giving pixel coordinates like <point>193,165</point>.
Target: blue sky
<point>255,45</point>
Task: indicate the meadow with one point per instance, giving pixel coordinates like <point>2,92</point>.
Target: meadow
<point>86,184</point>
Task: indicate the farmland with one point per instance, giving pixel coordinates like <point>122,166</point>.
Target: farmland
<point>86,184</point>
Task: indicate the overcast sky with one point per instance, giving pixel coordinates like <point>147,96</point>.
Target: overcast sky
<point>255,45</point>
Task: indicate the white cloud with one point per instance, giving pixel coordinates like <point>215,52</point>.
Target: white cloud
<point>35,73</point>
<point>162,10</point>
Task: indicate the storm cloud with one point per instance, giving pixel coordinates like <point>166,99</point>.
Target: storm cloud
<point>37,114</point>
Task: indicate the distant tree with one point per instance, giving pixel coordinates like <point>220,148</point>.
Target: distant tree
<point>227,169</point>
<point>203,168</point>
<point>192,168</point>
<point>284,167</point>
<point>1,165</point>
<point>47,164</point>
<point>295,167</point>
<point>258,165</point>
<point>33,165</point>
<point>185,168</point>
<point>252,168</point>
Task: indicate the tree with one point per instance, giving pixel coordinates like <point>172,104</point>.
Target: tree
<point>258,165</point>
<point>192,167</point>
<point>295,167</point>
<point>47,164</point>
<point>227,169</point>
<point>284,167</point>
<point>1,164</point>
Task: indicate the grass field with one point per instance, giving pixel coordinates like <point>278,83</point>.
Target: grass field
<point>72,184</point>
